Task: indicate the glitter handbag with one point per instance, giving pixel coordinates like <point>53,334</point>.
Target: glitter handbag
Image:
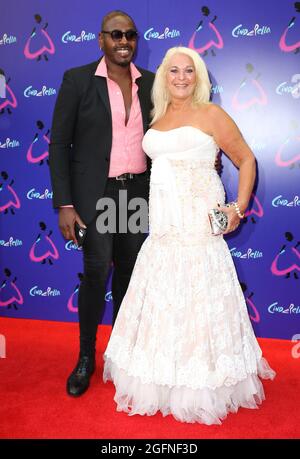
<point>218,221</point>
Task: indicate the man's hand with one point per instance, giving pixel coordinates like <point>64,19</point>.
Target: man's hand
<point>66,220</point>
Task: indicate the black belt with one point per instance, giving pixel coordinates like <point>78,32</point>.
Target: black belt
<point>127,176</point>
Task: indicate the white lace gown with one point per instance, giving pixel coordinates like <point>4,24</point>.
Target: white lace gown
<point>183,343</point>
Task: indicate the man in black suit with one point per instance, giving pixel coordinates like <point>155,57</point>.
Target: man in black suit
<point>100,117</point>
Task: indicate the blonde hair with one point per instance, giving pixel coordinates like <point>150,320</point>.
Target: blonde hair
<point>160,93</point>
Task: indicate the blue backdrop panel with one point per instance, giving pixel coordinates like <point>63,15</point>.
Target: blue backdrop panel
<point>252,51</point>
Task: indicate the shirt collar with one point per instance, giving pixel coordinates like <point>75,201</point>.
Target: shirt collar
<point>102,70</point>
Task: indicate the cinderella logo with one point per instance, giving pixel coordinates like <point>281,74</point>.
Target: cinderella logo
<point>43,248</point>
<point>30,91</point>
<point>10,294</point>
<point>239,31</point>
<point>283,157</point>
<point>39,37</point>
<point>248,254</point>
<point>36,291</point>
<point>11,242</point>
<point>291,309</point>
<point>286,41</point>
<point>10,143</point>
<point>287,261</point>
<point>7,39</point>
<point>242,98</point>
<point>9,99</point>
<point>206,36</point>
<point>9,200</point>
<point>70,245</point>
<point>38,149</point>
<point>167,33</point>
<point>287,89</point>
<point>280,201</point>
<point>256,209</point>
<point>33,194</point>
<point>83,36</point>
<point>71,306</point>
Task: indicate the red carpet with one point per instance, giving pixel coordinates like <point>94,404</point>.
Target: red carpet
<point>34,404</point>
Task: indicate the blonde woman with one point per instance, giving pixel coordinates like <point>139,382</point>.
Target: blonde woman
<point>183,343</point>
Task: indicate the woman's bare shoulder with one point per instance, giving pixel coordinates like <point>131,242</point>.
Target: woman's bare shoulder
<point>206,116</point>
<point>214,109</point>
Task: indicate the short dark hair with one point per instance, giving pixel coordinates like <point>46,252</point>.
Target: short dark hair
<point>113,14</point>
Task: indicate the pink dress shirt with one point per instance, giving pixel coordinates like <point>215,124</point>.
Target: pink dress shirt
<point>126,151</point>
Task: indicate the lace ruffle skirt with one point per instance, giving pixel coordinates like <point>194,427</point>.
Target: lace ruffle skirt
<point>183,343</point>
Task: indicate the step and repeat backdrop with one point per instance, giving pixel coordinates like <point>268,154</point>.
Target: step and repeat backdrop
<point>252,51</point>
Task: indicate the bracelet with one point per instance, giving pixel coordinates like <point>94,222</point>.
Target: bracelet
<point>237,209</point>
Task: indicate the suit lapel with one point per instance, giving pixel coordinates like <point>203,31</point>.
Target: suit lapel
<point>102,90</point>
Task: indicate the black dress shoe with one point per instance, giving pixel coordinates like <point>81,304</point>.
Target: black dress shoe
<point>79,380</point>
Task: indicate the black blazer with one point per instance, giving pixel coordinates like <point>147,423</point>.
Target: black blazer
<point>81,137</point>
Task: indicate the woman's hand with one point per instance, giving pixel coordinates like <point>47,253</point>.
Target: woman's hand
<point>233,218</point>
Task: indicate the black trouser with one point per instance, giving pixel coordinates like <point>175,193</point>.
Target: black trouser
<point>99,251</point>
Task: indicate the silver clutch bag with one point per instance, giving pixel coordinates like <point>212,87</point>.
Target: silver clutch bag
<point>218,221</point>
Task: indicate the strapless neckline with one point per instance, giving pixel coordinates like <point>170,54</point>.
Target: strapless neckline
<point>182,127</point>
